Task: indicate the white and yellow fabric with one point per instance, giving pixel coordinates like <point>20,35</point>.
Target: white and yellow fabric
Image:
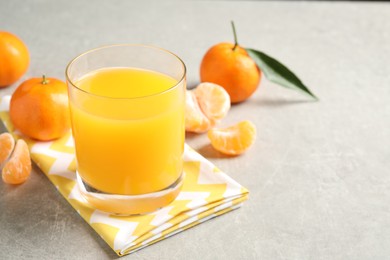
<point>207,192</point>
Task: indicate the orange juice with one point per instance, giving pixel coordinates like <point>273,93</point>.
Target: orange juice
<point>128,127</point>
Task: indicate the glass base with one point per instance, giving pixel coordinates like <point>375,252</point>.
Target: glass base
<point>129,204</point>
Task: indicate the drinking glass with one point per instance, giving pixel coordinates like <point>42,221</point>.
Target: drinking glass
<point>127,107</point>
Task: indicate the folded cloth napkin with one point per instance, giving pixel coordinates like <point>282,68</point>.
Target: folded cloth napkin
<point>207,192</point>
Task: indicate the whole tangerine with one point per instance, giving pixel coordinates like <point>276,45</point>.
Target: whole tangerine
<point>14,58</point>
<point>230,66</point>
<point>39,108</point>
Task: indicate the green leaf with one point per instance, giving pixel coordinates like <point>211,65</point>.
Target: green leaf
<point>278,73</point>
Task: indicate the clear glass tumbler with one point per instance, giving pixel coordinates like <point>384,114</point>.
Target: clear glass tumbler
<point>127,109</point>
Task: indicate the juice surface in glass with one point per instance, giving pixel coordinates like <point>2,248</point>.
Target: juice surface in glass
<point>129,132</point>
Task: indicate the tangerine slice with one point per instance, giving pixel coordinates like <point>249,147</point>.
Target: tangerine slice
<point>18,167</point>
<point>7,144</point>
<point>213,100</point>
<point>233,140</point>
<point>195,120</point>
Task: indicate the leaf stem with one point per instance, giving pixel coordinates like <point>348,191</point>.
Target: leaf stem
<point>235,36</point>
<point>44,80</point>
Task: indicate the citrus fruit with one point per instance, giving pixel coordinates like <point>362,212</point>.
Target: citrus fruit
<point>233,140</point>
<point>205,106</point>
<point>7,144</point>
<point>213,100</point>
<point>195,120</point>
<point>230,66</point>
<point>39,108</point>
<point>14,58</point>
<point>17,169</point>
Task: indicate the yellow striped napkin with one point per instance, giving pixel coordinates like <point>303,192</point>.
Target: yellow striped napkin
<point>207,192</point>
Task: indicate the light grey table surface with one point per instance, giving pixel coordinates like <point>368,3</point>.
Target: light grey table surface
<point>319,172</point>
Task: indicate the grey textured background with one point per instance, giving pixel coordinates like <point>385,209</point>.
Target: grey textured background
<point>319,171</point>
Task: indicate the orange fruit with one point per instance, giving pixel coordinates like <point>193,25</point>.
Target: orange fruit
<point>195,119</point>
<point>233,140</point>
<point>14,58</point>
<point>230,66</point>
<point>205,106</point>
<point>213,100</point>
<point>39,108</point>
<point>18,168</point>
<point>7,144</point>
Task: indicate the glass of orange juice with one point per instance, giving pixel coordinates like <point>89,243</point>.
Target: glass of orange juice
<point>127,110</point>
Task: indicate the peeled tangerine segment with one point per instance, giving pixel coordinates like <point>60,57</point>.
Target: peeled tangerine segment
<point>235,139</point>
<point>213,100</point>
<point>7,144</point>
<point>18,168</point>
<point>195,119</point>
<point>205,106</point>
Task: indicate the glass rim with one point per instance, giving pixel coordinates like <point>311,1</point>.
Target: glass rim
<point>177,83</point>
